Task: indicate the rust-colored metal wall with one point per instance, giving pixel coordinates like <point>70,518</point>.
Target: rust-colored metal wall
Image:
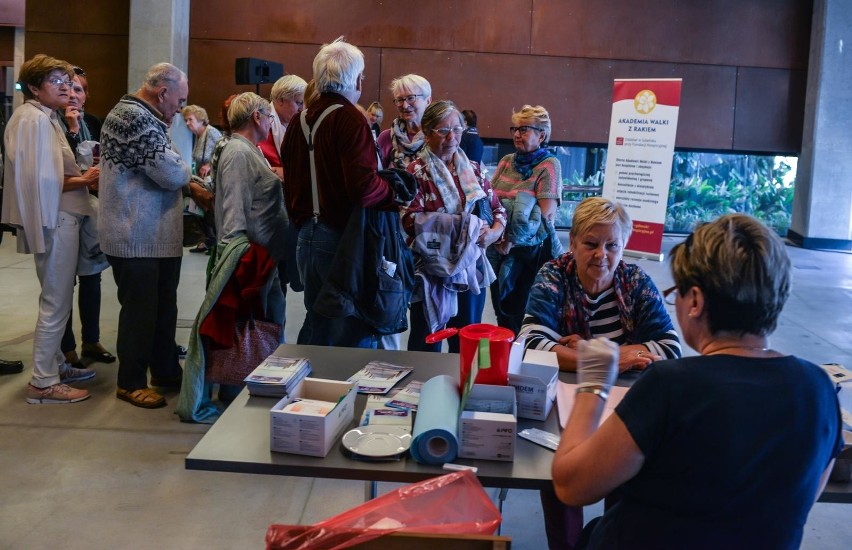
<point>743,62</point>
<point>93,35</point>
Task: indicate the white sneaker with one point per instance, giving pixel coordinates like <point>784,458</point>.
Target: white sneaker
<point>68,374</point>
<point>57,393</point>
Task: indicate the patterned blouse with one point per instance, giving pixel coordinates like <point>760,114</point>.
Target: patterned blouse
<point>557,307</point>
<point>428,198</point>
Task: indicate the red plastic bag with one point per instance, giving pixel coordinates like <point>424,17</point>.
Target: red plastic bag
<point>454,503</point>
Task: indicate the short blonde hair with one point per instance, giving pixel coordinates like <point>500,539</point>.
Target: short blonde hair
<point>243,106</point>
<point>537,116</point>
<point>36,69</point>
<point>199,112</point>
<point>743,269</point>
<point>375,108</point>
<point>287,87</point>
<point>600,211</point>
<point>412,82</point>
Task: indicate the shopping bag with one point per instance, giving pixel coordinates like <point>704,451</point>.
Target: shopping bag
<point>454,503</point>
<point>255,341</point>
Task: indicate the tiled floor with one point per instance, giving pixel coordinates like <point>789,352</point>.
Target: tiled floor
<point>103,474</point>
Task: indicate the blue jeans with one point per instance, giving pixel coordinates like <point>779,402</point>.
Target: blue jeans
<point>470,307</point>
<point>315,251</point>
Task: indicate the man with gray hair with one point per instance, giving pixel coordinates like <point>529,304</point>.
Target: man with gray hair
<point>141,230</point>
<point>346,175</point>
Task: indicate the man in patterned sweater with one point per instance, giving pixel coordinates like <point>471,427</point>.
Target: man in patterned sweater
<point>141,230</point>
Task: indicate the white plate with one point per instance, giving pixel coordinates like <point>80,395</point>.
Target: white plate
<point>377,440</point>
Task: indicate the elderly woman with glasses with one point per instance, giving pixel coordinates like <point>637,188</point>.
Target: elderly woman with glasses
<point>399,144</point>
<point>591,292</point>
<point>451,221</point>
<point>727,449</point>
<point>529,184</point>
<point>204,138</point>
<point>249,198</point>
<point>45,197</point>
<point>250,224</point>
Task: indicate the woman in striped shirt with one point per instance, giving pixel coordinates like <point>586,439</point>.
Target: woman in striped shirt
<point>590,292</point>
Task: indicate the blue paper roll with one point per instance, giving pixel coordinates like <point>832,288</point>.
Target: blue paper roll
<point>435,437</point>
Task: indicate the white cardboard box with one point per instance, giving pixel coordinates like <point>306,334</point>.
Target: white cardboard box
<point>489,435</point>
<point>535,380</point>
<point>310,434</point>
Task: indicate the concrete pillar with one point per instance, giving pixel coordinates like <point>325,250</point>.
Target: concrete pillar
<point>159,32</point>
<point>822,204</point>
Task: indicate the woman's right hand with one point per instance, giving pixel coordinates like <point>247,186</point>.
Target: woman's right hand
<point>72,119</point>
<point>635,357</point>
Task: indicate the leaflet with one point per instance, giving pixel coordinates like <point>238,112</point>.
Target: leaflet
<point>378,377</point>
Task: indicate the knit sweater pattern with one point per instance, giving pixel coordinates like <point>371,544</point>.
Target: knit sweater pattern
<point>140,184</point>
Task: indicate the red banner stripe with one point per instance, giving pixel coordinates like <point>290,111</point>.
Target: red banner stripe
<point>667,91</point>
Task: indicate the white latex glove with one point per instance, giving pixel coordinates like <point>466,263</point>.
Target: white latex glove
<point>597,363</point>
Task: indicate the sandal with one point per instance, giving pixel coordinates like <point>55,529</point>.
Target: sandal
<point>145,398</point>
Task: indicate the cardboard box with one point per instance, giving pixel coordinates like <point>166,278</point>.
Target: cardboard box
<point>535,380</point>
<point>489,435</point>
<point>307,433</point>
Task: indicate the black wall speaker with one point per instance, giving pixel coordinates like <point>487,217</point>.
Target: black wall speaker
<point>249,70</point>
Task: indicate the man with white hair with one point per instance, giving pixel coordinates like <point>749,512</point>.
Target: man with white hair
<point>346,176</point>
<point>141,230</point>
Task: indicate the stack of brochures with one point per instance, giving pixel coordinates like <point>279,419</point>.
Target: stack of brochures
<point>277,376</point>
<point>378,377</point>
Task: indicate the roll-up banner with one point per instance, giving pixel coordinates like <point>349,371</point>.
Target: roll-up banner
<point>639,158</point>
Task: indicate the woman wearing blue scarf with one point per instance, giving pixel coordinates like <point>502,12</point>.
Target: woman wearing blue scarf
<point>528,182</point>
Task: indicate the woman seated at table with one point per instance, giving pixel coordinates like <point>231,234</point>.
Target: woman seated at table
<point>730,448</point>
<point>590,291</point>
<point>450,222</point>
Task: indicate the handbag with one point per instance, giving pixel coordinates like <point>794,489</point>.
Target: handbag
<point>254,342</point>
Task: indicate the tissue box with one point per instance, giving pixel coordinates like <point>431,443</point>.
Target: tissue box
<point>535,380</point>
<point>309,433</point>
<point>486,434</point>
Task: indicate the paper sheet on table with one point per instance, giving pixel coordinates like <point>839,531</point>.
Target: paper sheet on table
<point>565,401</point>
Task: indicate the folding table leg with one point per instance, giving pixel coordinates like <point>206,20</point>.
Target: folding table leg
<point>501,498</point>
<point>370,490</point>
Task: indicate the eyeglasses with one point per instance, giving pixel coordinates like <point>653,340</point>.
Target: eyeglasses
<point>523,129</point>
<point>670,295</point>
<point>444,132</point>
<point>78,71</point>
<point>56,81</point>
<point>410,99</point>
<point>270,115</point>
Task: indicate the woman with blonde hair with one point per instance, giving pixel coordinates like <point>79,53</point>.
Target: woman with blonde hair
<point>529,184</point>
<point>727,449</point>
